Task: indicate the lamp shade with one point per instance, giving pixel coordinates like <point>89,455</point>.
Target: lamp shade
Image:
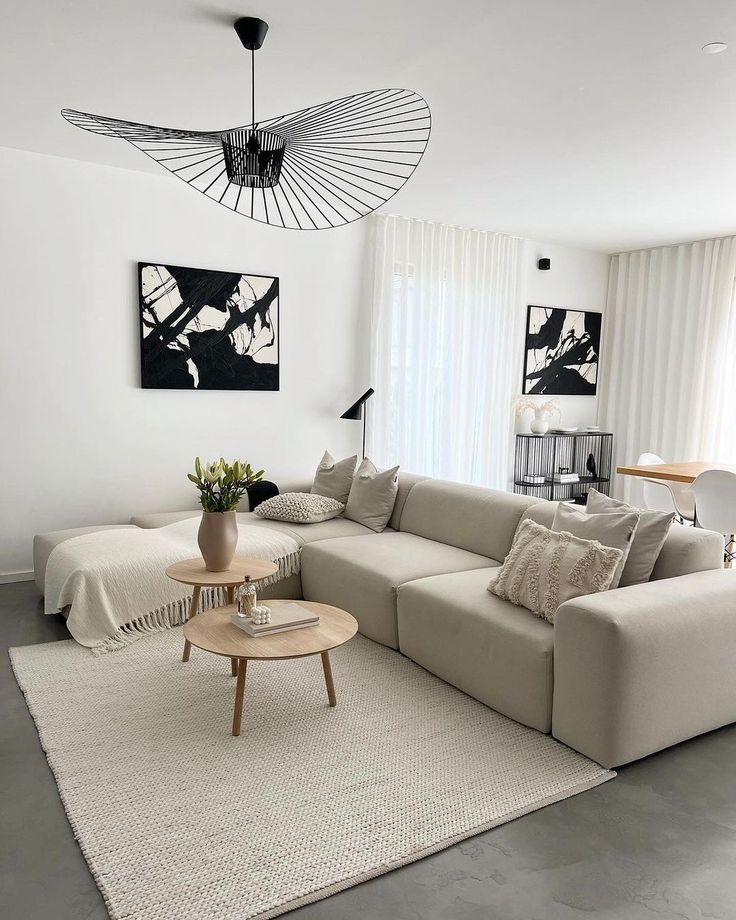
<point>354,412</point>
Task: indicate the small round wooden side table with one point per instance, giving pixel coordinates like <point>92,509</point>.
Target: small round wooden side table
<point>193,572</point>
<point>213,632</point>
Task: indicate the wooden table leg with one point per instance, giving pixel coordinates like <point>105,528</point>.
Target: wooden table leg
<point>328,678</point>
<point>193,611</point>
<point>231,600</point>
<point>239,692</point>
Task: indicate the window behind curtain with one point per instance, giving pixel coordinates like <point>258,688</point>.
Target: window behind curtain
<point>446,346</point>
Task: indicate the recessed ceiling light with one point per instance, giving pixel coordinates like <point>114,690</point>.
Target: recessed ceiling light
<point>714,47</point>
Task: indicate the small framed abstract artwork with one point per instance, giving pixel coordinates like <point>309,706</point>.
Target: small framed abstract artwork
<point>561,354</point>
<point>207,330</point>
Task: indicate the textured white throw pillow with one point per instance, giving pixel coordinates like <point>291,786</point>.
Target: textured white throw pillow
<point>334,477</point>
<point>617,530</point>
<point>648,539</point>
<point>299,508</point>
<point>372,496</point>
<point>544,569</point>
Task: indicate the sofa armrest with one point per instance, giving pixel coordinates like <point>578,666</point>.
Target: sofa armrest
<point>641,668</point>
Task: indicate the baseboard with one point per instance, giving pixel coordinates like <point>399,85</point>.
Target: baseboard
<point>10,577</point>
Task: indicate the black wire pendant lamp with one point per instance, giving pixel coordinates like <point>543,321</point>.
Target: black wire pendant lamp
<point>317,168</point>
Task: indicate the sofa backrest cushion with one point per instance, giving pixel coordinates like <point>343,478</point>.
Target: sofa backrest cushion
<point>470,517</point>
<point>542,512</point>
<point>687,550</point>
<point>407,481</point>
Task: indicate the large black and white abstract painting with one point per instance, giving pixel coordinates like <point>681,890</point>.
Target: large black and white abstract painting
<point>562,347</point>
<point>208,330</point>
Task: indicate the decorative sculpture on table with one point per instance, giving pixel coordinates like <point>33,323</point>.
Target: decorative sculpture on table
<point>261,615</point>
<point>591,467</point>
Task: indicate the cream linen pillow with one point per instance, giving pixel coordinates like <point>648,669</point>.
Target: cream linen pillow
<point>372,496</point>
<point>334,478</point>
<point>299,508</point>
<point>544,569</point>
<point>648,539</point>
<point>615,530</point>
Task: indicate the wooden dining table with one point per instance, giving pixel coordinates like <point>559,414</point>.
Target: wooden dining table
<point>687,471</point>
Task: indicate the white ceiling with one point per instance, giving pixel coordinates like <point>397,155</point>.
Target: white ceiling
<point>596,123</point>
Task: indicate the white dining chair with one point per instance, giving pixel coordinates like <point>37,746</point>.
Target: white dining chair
<point>666,496</point>
<point>715,506</point>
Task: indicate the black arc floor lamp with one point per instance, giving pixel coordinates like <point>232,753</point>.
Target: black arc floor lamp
<point>358,410</point>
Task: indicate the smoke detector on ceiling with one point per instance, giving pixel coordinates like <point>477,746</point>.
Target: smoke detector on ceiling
<point>714,47</point>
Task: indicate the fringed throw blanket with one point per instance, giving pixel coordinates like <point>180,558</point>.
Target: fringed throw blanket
<point>116,586</point>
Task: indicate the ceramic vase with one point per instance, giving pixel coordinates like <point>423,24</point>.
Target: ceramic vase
<point>539,424</point>
<point>217,538</point>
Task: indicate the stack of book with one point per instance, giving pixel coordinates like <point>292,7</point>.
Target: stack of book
<point>283,618</point>
<point>533,479</point>
<point>566,478</point>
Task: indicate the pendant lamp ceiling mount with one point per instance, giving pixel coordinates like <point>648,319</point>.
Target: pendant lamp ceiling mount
<point>251,32</point>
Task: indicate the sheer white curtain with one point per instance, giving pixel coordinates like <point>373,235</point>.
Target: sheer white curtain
<point>446,332</point>
<point>668,354</point>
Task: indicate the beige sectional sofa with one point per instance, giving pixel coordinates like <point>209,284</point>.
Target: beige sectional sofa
<point>620,675</point>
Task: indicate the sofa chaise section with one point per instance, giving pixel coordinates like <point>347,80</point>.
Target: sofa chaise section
<point>498,653</point>
<point>45,543</point>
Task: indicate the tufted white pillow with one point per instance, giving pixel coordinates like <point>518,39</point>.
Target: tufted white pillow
<point>544,569</point>
<point>300,508</point>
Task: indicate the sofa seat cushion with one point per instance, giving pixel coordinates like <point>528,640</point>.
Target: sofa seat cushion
<point>498,653</point>
<point>44,543</point>
<point>361,574</point>
<point>309,533</point>
<point>302,533</point>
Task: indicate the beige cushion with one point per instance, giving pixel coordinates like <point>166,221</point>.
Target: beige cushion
<point>334,477</point>
<point>544,569</point>
<point>44,543</point>
<point>687,550</point>
<point>361,574</point>
<point>372,495</point>
<point>614,530</point>
<point>541,513</point>
<point>476,519</point>
<point>648,539</point>
<point>407,481</point>
<point>498,653</point>
<point>299,508</point>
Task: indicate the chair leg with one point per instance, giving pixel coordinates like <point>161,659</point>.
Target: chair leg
<point>730,551</point>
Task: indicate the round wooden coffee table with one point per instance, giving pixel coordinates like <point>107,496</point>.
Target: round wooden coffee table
<point>193,572</point>
<point>213,632</point>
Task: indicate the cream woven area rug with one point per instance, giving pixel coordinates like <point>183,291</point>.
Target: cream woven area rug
<point>178,820</point>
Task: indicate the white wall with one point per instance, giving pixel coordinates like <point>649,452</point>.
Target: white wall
<point>578,279</point>
<point>81,442</point>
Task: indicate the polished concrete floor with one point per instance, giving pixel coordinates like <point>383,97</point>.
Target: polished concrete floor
<point>658,841</point>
